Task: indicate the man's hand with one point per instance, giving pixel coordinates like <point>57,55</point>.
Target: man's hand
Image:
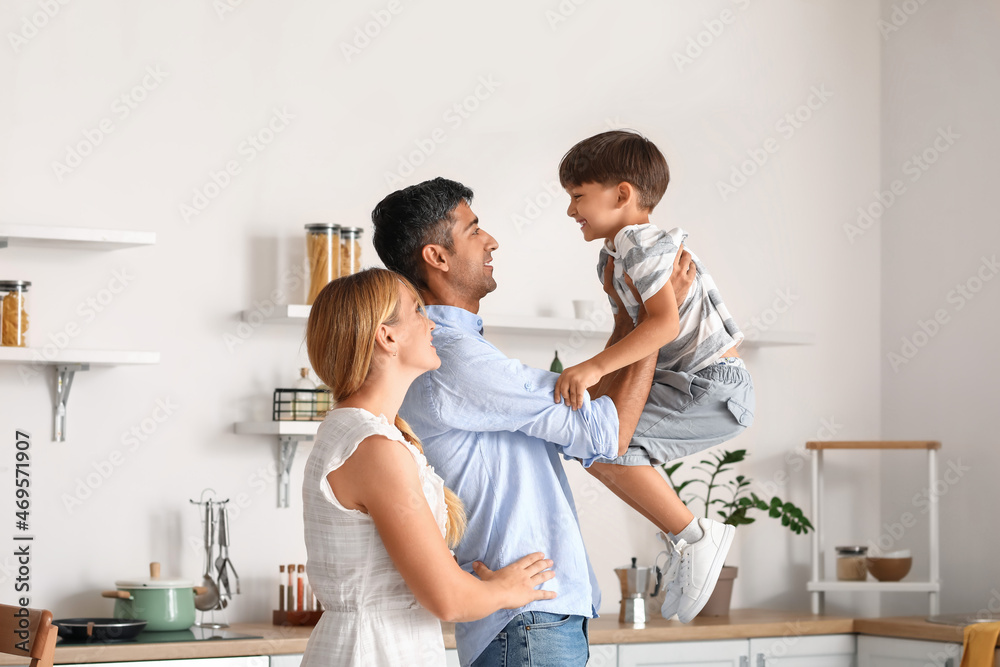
<point>683,274</point>
<point>609,286</point>
<point>574,381</point>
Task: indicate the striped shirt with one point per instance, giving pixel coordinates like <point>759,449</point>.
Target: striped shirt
<point>647,255</point>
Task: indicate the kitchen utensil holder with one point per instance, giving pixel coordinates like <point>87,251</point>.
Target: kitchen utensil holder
<point>208,618</point>
<point>291,404</point>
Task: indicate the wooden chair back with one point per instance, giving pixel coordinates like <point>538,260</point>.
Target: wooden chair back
<point>28,633</point>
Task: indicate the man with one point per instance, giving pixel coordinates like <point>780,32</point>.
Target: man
<point>491,429</point>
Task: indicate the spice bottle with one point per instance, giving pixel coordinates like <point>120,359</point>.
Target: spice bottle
<point>350,250</point>
<point>14,313</point>
<point>323,251</point>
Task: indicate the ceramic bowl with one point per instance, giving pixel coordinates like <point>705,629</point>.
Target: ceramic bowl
<point>889,569</point>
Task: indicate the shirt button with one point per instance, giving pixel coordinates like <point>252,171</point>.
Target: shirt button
<point>479,323</point>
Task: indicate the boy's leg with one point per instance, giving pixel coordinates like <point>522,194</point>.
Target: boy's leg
<point>646,491</point>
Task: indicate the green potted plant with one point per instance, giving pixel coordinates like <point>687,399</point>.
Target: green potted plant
<point>732,500</point>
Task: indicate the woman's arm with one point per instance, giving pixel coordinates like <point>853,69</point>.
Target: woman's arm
<point>380,479</point>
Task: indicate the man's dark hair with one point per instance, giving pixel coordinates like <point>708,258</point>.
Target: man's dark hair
<point>411,218</point>
<point>612,157</point>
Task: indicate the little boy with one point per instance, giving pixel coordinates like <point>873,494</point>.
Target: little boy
<point>701,395</point>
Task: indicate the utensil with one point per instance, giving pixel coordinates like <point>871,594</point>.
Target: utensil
<point>163,604</point>
<point>98,629</point>
<point>227,564</point>
<point>210,598</point>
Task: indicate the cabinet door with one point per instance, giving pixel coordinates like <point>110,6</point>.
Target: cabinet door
<point>889,652</point>
<point>245,661</point>
<point>451,658</point>
<point>286,660</point>
<point>804,651</point>
<point>603,655</point>
<point>723,653</point>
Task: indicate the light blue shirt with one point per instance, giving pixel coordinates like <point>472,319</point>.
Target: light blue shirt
<point>490,428</point>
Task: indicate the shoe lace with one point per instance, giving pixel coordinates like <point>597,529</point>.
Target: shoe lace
<point>675,558</point>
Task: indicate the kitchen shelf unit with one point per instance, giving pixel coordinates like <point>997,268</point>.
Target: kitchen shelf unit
<point>289,434</point>
<point>68,362</point>
<point>518,325</point>
<point>817,586</point>
<point>74,238</point>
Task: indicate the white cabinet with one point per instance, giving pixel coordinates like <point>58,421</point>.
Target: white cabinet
<point>289,660</point>
<point>246,661</point>
<point>723,653</point>
<point>451,658</point>
<point>603,655</point>
<point>890,652</point>
<point>801,651</point>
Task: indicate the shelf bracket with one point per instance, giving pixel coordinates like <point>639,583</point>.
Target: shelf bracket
<point>3,242</point>
<point>287,444</point>
<point>64,382</point>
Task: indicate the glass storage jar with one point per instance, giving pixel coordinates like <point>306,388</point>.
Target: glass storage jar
<point>323,251</point>
<point>14,313</point>
<point>851,564</point>
<point>350,250</point>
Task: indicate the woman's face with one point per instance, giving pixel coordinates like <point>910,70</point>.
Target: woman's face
<point>413,334</point>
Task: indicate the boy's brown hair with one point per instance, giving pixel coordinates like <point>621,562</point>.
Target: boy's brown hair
<point>612,157</point>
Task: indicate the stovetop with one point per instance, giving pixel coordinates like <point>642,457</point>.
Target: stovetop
<point>194,634</point>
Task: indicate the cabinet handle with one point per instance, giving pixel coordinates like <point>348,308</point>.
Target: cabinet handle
<point>761,660</point>
<point>950,662</point>
<point>744,661</point>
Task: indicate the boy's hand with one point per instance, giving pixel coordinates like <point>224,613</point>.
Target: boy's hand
<point>574,381</point>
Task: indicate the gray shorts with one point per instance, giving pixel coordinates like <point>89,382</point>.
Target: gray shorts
<point>688,412</point>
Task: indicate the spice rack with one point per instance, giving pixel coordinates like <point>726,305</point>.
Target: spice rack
<point>817,585</point>
<point>67,362</point>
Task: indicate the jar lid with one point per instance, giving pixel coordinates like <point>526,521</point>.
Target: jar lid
<point>321,226</point>
<point>852,551</point>
<point>14,284</point>
<point>352,230</point>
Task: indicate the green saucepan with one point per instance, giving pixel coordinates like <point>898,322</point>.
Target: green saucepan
<point>165,604</point>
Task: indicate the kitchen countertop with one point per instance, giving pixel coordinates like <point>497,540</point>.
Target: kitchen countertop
<point>740,624</point>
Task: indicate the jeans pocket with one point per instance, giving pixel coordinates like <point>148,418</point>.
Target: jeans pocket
<point>560,619</point>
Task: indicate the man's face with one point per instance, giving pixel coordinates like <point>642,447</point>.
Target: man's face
<point>470,271</point>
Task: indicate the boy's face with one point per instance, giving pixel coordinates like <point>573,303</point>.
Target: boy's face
<point>597,209</point>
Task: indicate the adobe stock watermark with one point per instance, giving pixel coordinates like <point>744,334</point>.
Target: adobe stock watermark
<point>32,24</point>
<point>263,308</point>
<point>367,33</point>
<point>898,17</point>
<point>131,440</point>
<point>454,116</point>
<point>795,459</point>
<point>562,12</point>
<point>958,298</point>
<point>786,127</point>
<point>121,108</point>
<point>762,323</point>
<point>894,531</point>
<point>702,41</point>
<point>914,167</point>
<point>224,8</point>
<point>87,311</point>
<point>248,150</point>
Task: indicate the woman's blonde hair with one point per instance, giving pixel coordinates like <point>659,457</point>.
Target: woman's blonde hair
<point>340,338</point>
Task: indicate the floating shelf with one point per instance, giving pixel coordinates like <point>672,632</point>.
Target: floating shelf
<point>34,355</point>
<point>72,237</point>
<point>538,326</point>
<point>876,586</point>
<point>278,428</point>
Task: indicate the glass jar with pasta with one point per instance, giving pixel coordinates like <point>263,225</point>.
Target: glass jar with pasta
<point>350,250</point>
<point>14,313</point>
<point>323,251</point>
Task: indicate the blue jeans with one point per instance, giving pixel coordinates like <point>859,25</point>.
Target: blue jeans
<point>539,639</point>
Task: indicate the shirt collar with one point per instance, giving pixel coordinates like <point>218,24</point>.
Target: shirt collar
<point>612,248</point>
<point>458,318</point>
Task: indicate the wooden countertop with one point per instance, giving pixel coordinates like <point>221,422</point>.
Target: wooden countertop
<point>740,624</point>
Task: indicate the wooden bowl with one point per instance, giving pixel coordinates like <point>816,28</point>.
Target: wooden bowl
<point>889,569</point>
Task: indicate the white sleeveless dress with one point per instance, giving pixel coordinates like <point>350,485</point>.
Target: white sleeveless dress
<point>371,618</point>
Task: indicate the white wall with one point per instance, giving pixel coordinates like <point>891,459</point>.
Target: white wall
<point>606,64</point>
<point>940,72</point>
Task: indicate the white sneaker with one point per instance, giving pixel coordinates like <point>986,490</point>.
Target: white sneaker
<point>697,570</point>
<point>672,596</point>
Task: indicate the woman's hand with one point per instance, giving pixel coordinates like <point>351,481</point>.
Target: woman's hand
<point>517,581</point>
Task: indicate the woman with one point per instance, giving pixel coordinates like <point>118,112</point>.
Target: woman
<point>376,515</point>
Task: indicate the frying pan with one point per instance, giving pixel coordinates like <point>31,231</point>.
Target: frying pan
<point>98,629</point>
